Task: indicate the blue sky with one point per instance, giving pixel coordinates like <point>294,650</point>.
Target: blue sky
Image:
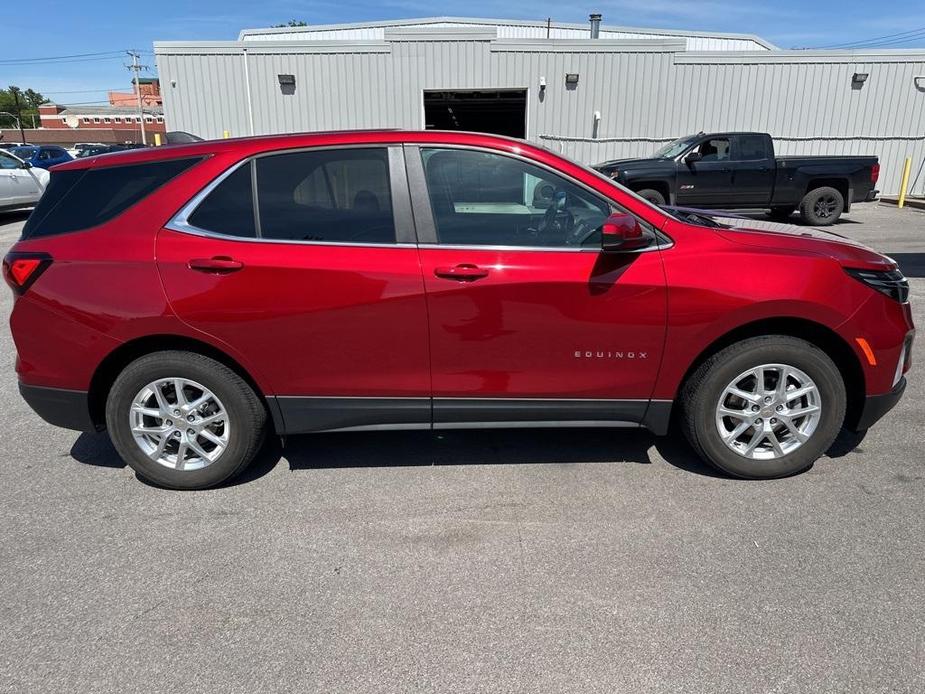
<point>65,27</point>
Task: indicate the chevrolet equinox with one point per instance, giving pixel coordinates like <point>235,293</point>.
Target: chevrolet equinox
<point>193,299</point>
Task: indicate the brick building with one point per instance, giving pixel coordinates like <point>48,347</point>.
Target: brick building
<point>101,117</point>
<point>150,88</point>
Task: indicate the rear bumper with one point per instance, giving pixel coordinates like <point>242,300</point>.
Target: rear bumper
<point>69,409</point>
<point>872,195</point>
<point>876,406</point>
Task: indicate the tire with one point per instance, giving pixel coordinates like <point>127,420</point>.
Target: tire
<point>652,195</point>
<point>781,213</point>
<point>241,430</point>
<point>705,391</point>
<point>822,206</point>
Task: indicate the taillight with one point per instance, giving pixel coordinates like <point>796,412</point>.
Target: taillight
<point>874,173</point>
<point>20,269</point>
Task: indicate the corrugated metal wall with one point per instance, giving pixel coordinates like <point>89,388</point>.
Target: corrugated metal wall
<point>647,92</point>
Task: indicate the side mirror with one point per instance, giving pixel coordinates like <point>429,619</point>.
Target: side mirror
<point>693,158</point>
<point>26,165</point>
<point>621,233</point>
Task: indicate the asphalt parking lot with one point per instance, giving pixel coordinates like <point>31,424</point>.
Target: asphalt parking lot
<point>502,561</point>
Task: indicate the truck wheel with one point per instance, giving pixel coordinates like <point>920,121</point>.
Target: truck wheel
<point>765,407</point>
<point>822,206</point>
<point>652,195</point>
<point>183,420</point>
<point>781,213</point>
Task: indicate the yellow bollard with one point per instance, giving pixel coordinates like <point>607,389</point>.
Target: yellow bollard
<point>227,134</point>
<point>157,139</point>
<point>904,182</point>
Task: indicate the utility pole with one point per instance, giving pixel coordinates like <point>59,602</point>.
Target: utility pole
<point>15,92</point>
<point>136,69</point>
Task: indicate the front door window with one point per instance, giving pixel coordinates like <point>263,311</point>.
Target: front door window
<point>485,199</point>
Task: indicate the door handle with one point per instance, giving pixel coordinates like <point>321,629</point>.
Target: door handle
<point>464,272</point>
<point>220,264</point>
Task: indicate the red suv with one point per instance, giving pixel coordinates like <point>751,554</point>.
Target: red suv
<point>192,299</point>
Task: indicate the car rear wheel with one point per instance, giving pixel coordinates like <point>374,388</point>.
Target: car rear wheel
<point>183,420</point>
<point>652,195</point>
<point>822,206</point>
<point>765,407</point>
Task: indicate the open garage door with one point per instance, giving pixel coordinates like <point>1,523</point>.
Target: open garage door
<point>497,111</point>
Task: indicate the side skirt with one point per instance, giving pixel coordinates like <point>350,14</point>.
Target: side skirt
<point>306,414</point>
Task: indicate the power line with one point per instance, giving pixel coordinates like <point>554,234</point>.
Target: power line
<point>887,44</point>
<point>83,91</point>
<point>861,42</point>
<point>64,58</point>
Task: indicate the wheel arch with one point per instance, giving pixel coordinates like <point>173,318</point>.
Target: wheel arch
<point>661,186</point>
<point>839,184</point>
<point>114,362</point>
<point>815,333</point>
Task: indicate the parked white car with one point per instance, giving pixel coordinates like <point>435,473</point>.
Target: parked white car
<point>21,185</point>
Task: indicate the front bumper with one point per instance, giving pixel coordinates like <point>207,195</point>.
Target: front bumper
<point>69,409</point>
<point>876,406</point>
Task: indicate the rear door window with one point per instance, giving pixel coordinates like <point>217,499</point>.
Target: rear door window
<point>84,198</point>
<point>751,148</point>
<point>335,196</point>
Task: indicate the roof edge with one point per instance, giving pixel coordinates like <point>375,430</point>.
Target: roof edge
<point>244,33</point>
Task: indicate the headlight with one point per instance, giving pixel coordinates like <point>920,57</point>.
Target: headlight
<point>890,282</point>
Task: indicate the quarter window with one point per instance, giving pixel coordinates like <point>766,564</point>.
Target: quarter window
<point>486,199</point>
<point>229,208</point>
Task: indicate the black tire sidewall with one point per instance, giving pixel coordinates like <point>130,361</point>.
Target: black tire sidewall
<point>807,206</point>
<point>652,195</point>
<point>789,351</point>
<point>246,428</point>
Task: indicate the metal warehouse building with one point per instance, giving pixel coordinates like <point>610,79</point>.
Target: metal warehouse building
<point>623,93</point>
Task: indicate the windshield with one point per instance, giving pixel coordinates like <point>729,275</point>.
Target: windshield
<point>673,149</point>
<point>25,152</point>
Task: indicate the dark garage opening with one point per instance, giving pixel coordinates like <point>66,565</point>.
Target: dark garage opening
<point>498,111</point>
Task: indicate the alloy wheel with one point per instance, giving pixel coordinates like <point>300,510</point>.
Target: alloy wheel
<point>768,412</point>
<point>179,423</point>
<point>825,206</point>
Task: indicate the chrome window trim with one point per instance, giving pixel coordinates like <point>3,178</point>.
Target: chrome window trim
<point>180,221</point>
<point>544,249</point>
<point>415,150</point>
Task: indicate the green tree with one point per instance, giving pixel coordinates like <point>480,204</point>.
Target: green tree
<point>291,23</point>
<point>29,102</point>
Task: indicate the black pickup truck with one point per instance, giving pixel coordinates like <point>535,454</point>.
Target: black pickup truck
<point>740,171</point>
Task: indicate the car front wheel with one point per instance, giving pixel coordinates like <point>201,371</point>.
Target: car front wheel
<point>183,420</point>
<point>765,407</point>
<point>652,195</point>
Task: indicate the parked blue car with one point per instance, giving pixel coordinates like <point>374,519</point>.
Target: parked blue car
<point>42,156</point>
